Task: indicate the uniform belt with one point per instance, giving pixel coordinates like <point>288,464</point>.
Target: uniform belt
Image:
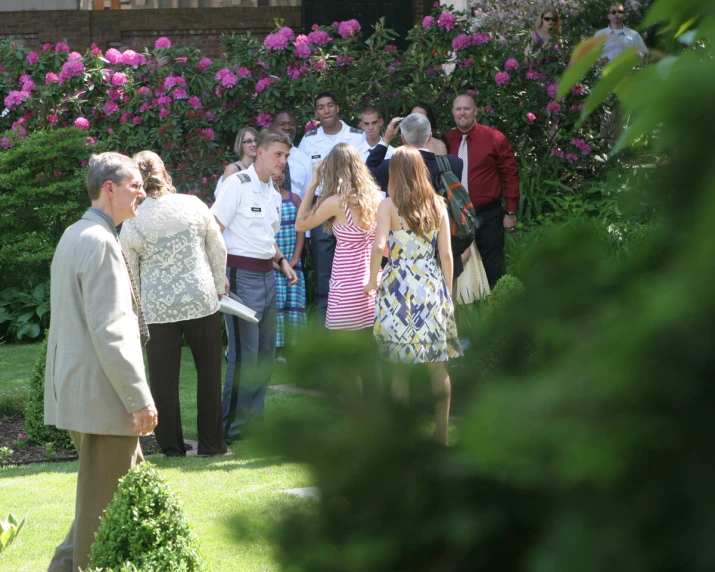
<point>246,263</point>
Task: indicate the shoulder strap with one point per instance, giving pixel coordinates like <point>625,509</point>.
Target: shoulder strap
<point>348,215</point>
<point>443,164</point>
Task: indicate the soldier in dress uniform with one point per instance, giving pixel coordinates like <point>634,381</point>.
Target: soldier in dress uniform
<point>317,144</point>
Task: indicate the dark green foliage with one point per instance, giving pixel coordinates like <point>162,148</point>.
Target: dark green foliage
<point>35,426</point>
<point>24,315</point>
<point>13,401</point>
<point>145,526</point>
<point>42,192</point>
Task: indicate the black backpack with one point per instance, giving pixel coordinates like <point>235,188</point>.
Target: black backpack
<point>463,219</point>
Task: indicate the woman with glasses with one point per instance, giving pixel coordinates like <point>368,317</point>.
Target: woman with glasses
<point>547,32</point>
<point>245,148</point>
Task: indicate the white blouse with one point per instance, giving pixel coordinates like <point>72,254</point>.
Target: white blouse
<point>178,257</point>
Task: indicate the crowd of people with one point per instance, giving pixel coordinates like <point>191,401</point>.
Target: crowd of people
<point>371,218</point>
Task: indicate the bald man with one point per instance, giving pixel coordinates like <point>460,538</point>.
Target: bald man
<point>490,174</point>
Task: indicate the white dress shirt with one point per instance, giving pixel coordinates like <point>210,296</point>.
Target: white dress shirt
<point>365,149</point>
<point>619,40</point>
<point>301,171</point>
<point>316,144</point>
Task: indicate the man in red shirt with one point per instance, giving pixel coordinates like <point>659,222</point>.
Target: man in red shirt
<point>489,162</point>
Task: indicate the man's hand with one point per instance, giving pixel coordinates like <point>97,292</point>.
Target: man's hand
<point>392,129</point>
<point>145,420</point>
<point>289,272</point>
<point>509,223</point>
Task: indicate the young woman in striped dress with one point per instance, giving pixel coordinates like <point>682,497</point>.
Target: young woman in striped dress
<point>348,207</point>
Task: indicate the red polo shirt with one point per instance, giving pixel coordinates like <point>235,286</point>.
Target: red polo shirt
<point>491,161</point>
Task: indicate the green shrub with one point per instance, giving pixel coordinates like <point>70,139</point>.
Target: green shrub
<point>14,401</point>
<point>145,526</point>
<point>42,192</point>
<point>24,314</point>
<point>35,411</point>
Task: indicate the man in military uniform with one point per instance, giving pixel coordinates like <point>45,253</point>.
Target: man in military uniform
<point>317,144</point>
<point>249,211</point>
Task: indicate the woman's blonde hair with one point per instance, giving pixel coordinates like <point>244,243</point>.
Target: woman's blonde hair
<point>556,30</point>
<point>157,180</point>
<point>344,174</point>
<point>240,136</point>
<point>411,190</point>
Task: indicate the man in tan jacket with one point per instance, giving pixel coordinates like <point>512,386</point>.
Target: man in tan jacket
<point>95,385</point>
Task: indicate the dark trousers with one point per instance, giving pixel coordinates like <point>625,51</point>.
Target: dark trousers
<point>490,242</point>
<point>323,251</point>
<point>164,356</point>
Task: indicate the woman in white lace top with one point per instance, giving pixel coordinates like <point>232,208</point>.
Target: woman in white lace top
<point>177,254</point>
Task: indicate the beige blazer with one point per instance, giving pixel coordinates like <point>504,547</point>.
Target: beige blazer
<point>94,376</point>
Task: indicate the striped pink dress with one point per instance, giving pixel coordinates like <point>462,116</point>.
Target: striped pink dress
<point>348,307</point>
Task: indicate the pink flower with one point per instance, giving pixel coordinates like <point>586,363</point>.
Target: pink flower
<point>75,56</point>
<point>553,108</point>
<point>557,153</point>
<point>318,64</point>
<point>18,123</point>
<point>26,83</point>
<point>481,39</point>
<point>446,21</point>
<point>131,58</point>
<point>204,63</point>
<point>208,132</point>
<point>15,98</point>
<point>119,79</point>
<point>71,69</point>
<point>287,32</point>
<point>264,119</point>
<point>263,64</point>
<point>110,108</point>
<point>46,47</point>
<point>180,93</point>
<point>531,117</point>
<point>315,27</point>
<point>552,89</point>
<point>319,38</point>
<point>532,75</point>
<point>244,72</point>
<point>511,64</point>
<point>110,131</point>
<point>60,47</point>
<point>163,113</point>
<point>52,119</point>
<point>473,92</point>
<point>276,41</point>
<point>295,71</point>
<point>114,94</point>
<point>431,71</point>
<point>576,108</point>
<point>344,61</point>
<point>348,29</point>
<point>113,56</point>
<point>461,42</point>
<point>162,43</point>
<point>126,116</point>
<point>146,106</point>
<point>581,145</point>
<point>174,80</point>
<point>227,78</point>
<point>6,144</point>
<point>578,90</point>
<point>81,123</point>
<point>335,25</point>
<point>502,78</point>
<point>194,102</point>
<point>302,48</point>
<point>144,90</point>
<point>181,60</point>
<point>163,100</point>
<point>263,84</point>
<point>96,52</point>
<point>571,158</point>
<point>428,22</point>
<point>312,125</point>
<point>32,58</point>
<point>137,120</point>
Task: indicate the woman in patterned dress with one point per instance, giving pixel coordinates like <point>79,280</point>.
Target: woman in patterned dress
<point>290,300</point>
<point>348,207</point>
<point>415,315</point>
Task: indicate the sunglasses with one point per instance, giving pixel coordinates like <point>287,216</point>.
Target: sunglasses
<point>548,19</point>
<point>248,141</point>
<point>614,12</point>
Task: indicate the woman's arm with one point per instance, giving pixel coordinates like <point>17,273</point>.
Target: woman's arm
<point>299,239</point>
<point>445,249</point>
<point>384,222</point>
<point>305,219</point>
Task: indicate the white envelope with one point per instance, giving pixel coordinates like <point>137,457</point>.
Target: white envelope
<point>230,306</point>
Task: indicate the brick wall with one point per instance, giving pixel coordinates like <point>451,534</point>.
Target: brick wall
<point>137,29</point>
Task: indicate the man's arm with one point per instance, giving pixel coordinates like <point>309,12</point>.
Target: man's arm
<point>508,171</point>
<point>215,248</point>
<point>226,205</point>
<point>378,167</point>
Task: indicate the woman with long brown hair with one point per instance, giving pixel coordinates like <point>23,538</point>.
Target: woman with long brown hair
<point>546,32</point>
<point>415,315</point>
<point>348,207</point>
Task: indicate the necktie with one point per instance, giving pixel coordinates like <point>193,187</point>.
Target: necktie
<point>143,328</point>
<point>464,156</point>
<point>286,184</point>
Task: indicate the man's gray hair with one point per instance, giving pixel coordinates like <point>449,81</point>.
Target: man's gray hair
<point>416,130</point>
<point>107,167</point>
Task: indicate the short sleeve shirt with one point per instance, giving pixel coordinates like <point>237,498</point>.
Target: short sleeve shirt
<point>619,40</point>
<point>316,144</point>
<point>250,211</point>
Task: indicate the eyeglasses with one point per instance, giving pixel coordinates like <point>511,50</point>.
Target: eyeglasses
<point>249,141</point>
<point>614,12</point>
<point>548,19</point>
<point>136,187</point>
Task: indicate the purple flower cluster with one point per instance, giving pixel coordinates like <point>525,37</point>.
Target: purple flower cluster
<point>344,61</point>
<point>348,29</point>
<point>318,38</point>
<point>204,63</point>
<point>162,43</point>
<point>81,123</point>
<point>195,103</point>
<point>276,41</point>
<point>461,42</point>
<point>312,125</point>
<point>264,119</point>
<point>264,83</point>
<point>428,22</point>
<point>511,64</point>
<point>530,117</point>
<point>244,72</point>
<point>532,75</point>
<point>119,79</point>
<point>60,47</point>
<point>32,58</point>
<point>578,90</point>
<point>553,108</point>
<point>582,146</point>
<point>227,78</point>
<point>552,89</point>
<point>302,47</point>
<point>481,39</point>
<point>296,70</point>
<point>71,69</point>
<point>110,108</point>
<point>502,78</point>
<point>446,21</point>
<point>180,93</point>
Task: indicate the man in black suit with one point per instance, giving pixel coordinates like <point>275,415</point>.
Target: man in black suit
<point>415,131</point>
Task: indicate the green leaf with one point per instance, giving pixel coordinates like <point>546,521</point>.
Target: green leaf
<point>585,55</point>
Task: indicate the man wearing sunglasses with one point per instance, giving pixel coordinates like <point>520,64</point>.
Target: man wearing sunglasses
<point>618,36</point>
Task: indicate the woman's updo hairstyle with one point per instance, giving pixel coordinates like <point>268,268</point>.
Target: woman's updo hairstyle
<point>156,180</point>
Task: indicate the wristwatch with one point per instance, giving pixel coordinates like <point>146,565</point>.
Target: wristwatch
<point>280,260</point>
<point>511,213</point>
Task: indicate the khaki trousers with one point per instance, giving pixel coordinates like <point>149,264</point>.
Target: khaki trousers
<point>103,460</point>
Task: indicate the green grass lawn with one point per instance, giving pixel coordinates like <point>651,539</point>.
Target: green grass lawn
<point>215,492</point>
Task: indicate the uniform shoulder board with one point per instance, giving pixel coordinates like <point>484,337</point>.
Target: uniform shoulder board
<point>356,130</point>
<point>313,132</point>
<point>244,178</point>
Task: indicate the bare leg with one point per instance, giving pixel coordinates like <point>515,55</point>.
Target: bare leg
<point>442,393</point>
<point>400,388</point>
